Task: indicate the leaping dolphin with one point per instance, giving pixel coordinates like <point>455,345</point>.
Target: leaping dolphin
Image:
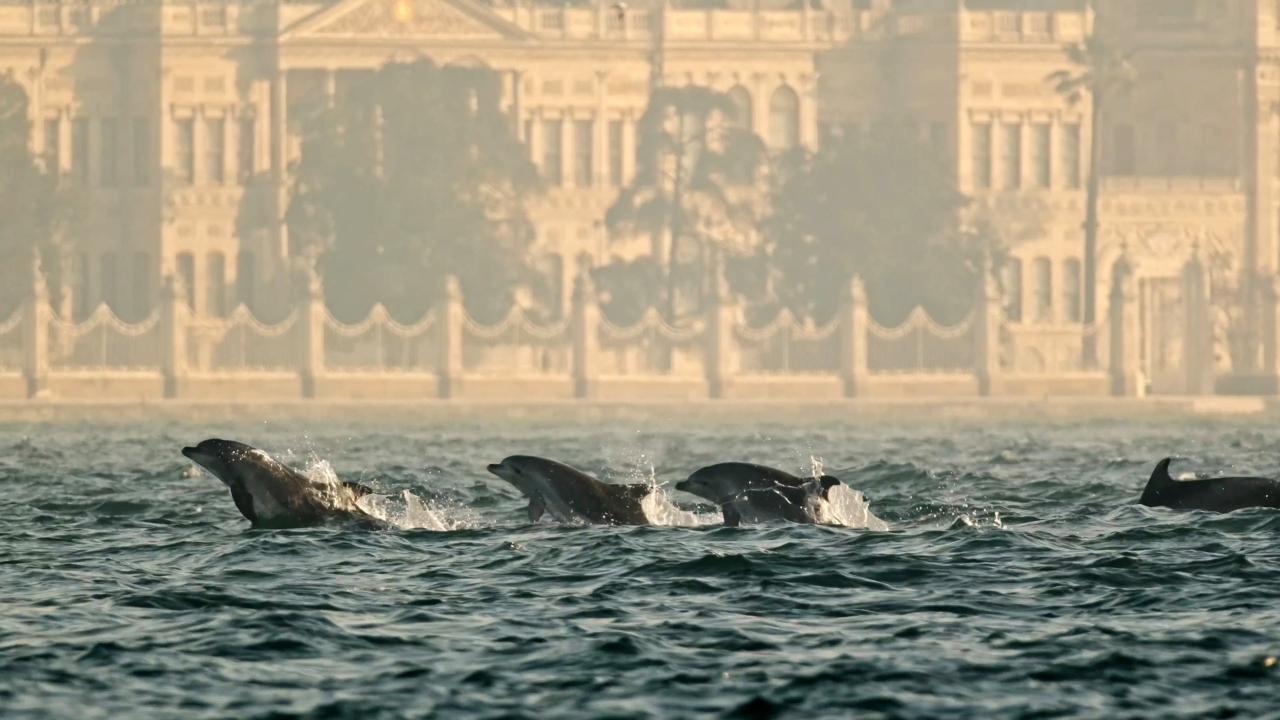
<point>747,492</point>
<point>271,494</point>
<point>570,495</point>
<point>1223,494</point>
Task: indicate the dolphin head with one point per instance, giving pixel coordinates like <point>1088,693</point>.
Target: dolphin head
<point>714,484</point>
<point>219,456</point>
<point>524,472</point>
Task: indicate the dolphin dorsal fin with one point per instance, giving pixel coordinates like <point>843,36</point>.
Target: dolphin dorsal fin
<point>636,491</point>
<point>1160,480</point>
<point>827,482</point>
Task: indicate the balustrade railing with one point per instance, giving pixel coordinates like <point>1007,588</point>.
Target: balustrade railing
<point>584,347</point>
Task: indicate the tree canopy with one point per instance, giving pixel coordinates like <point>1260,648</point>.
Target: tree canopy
<point>692,195</point>
<point>37,211</point>
<point>884,207</point>
<point>416,175</point>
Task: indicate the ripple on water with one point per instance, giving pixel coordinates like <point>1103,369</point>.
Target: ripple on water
<point>1016,579</point>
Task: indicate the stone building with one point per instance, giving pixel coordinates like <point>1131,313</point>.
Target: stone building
<point>177,116</point>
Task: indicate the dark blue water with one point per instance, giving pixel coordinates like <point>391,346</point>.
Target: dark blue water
<point>1018,580</point>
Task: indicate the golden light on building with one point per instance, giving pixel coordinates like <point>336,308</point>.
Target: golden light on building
<point>402,10</point>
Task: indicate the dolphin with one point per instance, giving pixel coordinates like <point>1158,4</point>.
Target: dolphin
<point>1223,494</point>
<point>570,495</point>
<point>747,492</point>
<point>270,494</point>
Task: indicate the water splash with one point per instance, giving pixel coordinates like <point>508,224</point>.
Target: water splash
<point>659,506</point>
<point>848,507</point>
<point>406,511</point>
<point>845,505</point>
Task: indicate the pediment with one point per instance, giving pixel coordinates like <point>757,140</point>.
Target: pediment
<point>404,19</point>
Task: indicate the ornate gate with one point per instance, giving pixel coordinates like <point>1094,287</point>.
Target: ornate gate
<point>1163,325</point>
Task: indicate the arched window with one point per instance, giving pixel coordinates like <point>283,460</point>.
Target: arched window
<point>784,119</point>
<point>141,301</point>
<point>186,269</point>
<point>741,99</point>
<point>216,285</point>
<point>1043,289</point>
<point>109,284</point>
<point>245,278</point>
<point>1071,291</point>
<point>1011,285</point>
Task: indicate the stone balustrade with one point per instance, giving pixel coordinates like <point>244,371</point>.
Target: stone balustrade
<point>449,354</point>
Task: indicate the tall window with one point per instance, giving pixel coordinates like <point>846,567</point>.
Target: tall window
<point>1071,156</point>
<point>244,167</point>
<point>1124,156</point>
<point>1011,156</point>
<point>109,281</point>
<point>1011,285</point>
<point>552,163</point>
<point>187,274</point>
<point>1043,290</point>
<point>583,152</point>
<point>982,155</point>
<point>615,153</point>
<point>109,149</point>
<point>52,160</point>
<point>741,99</point>
<point>216,285</point>
<point>184,154</point>
<point>784,119</point>
<point>1071,291</point>
<point>215,145</point>
<point>1040,155</point>
<point>141,273</point>
<point>80,149</point>
<point>245,277</point>
<point>141,151</point>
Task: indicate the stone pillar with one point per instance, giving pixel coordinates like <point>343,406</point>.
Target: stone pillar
<point>452,316</point>
<point>628,149</point>
<point>854,375</point>
<point>535,142</point>
<point>987,323</point>
<point>1125,374</point>
<point>1197,347</point>
<point>311,316</point>
<point>722,314</point>
<point>585,327</point>
<point>174,314</point>
<point>1269,309</point>
<point>36,317</point>
<point>279,126</point>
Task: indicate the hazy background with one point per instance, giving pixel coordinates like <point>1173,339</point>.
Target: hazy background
<point>673,154</point>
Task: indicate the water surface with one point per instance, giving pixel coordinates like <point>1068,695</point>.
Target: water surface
<point>1018,579</point>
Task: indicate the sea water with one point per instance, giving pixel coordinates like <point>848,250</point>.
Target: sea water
<point>989,571</point>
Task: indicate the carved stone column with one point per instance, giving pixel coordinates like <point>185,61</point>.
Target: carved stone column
<point>586,338</point>
<point>854,375</point>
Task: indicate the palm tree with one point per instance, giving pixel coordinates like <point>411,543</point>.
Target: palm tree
<point>1101,69</point>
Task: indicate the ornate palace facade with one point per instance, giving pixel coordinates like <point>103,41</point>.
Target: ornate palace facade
<point>176,116</point>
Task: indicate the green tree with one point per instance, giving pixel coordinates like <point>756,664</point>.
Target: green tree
<point>416,175</point>
<point>884,208</point>
<point>1100,70</point>
<point>693,193</point>
<point>37,209</point>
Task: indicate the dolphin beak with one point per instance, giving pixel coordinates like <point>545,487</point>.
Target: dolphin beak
<point>683,485</point>
<point>496,469</point>
<point>194,455</point>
